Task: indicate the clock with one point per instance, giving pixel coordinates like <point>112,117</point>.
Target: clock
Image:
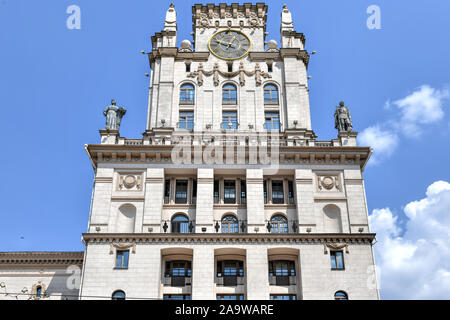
<point>229,45</point>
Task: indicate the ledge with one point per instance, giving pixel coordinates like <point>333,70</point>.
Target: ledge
<point>229,238</point>
<point>41,258</point>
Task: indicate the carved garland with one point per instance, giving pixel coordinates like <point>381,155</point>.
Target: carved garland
<point>122,246</point>
<point>215,72</point>
<point>335,246</point>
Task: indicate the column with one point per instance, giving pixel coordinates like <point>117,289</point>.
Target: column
<point>257,273</point>
<point>154,199</point>
<point>101,201</point>
<point>304,189</point>
<point>203,273</point>
<point>205,201</point>
<point>255,200</point>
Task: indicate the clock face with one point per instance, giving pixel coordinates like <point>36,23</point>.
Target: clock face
<point>229,45</point>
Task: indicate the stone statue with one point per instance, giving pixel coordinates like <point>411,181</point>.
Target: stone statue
<point>114,116</point>
<point>342,118</point>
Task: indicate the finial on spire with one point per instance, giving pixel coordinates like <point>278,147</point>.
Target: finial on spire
<point>170,24</point>
<point>286,19</point>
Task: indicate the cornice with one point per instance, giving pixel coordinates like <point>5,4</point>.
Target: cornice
<point>41,258</point>
<point>146,238</point>
<point>288,155</point>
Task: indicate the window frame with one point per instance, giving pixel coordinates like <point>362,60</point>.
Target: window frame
<point>114,297</point>
<point>177,191</point>
<point>186,120</point>
<point>273,100</point>
<point>124,260</point>
<point>229,116</point>
<point>334,260</point>
<point>231,98</point>
<point>274,118</point>
<point>188,91</point>
<point>229,222</point>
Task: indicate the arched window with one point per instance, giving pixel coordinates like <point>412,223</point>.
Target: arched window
<point>278,224</point>
<point>38,291</point>
<point>230,224</point>
<point>180,224</point>
<point>229,94</point>
<point>340,295</point>
<point>118,295</point>
<point>187,94</point>
<point>270,94</point>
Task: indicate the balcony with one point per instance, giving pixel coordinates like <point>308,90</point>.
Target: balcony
<point>177,281</point>
<point>280,224</point>
<point>185,226</point>
<point>229,281</point>
<point>282,280</point>
<point>227,225</point>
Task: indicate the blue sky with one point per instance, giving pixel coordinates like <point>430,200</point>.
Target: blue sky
<point>55,83</point>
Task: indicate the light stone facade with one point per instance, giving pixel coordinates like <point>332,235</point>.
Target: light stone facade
<point>224,223</point>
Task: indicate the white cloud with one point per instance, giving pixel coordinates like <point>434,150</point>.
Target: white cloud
<point>415,263</point>
<point>383,142</point>
<point>423,106</point>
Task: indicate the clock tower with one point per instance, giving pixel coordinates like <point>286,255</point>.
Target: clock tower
<point>226,223</point>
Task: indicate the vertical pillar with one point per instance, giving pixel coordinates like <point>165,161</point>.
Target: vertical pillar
<point>204,209</point>
<point>257,273</point>
<point>101,202</point>
<point>304,190</point>
<point>203,273</point>
<point>154,199</point>
<point>356,200</point>
<point>255,200</point>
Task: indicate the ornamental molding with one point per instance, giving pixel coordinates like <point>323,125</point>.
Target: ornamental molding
<point>149,154</point>
<point>122,246</point>
<point>335,246</point>
<point>215,72</point>
<point>41,258</point>
<point>116,239</point>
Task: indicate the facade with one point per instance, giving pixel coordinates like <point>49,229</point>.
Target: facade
<point>228,194</point>
<point>40,275</point>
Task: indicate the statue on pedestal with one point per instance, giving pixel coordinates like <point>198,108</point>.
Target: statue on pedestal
<point>114,116</point>
<point>342,118</point>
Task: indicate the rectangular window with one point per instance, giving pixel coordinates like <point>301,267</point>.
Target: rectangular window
<point>122,259</point>
<point>216,191</point>
<point>186,120</point>
<point>229,189</point>
<point>229,120</point>
<point>272,121</point>
<point>178,273</point>
<point>337,260</point>
<point>167,191</point>
<point>243,192</point>
<point>181,189</point>
<point>283,297</point>
<point>230,297</point>
<point>177,297</point>
<point>291,192</point>
<point>194,191</point>
<point>269,67</point>
<point>265,191</point>
<point>277,192</point>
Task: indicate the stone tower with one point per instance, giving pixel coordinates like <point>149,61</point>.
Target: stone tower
<point>228,194</point>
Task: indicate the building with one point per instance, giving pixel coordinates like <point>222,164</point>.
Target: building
<point>228,194</point>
